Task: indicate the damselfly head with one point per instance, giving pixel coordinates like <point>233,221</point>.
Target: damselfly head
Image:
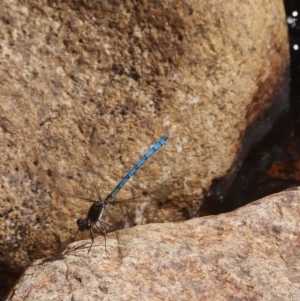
<point>83,224</point>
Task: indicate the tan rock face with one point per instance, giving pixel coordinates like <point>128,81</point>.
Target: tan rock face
<point>248,254</point>
<point>86,89</point>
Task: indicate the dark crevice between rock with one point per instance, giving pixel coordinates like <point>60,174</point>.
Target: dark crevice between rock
<point>7,279</point>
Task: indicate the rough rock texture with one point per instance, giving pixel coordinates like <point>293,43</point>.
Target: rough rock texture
<point>88,86</point>
<point>249,254</point>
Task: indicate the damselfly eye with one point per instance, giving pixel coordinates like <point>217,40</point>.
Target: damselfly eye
<point>82,224</point>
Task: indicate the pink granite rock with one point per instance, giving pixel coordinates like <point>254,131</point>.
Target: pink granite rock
<point>249,254</point>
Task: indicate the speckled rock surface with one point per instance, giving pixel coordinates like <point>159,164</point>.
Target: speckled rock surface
<point>248,254</point>
<point>87,87</point>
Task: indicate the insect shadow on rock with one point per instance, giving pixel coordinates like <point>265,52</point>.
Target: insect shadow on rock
<point>99,206</point>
